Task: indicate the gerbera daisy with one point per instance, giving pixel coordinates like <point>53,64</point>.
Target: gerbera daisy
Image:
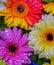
<point>23,13</point>
<point>41,37</point>
<point>14,48</point>
<point>49,8</point>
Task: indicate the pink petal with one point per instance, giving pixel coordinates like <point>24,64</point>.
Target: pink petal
<point>28,61</point>
<point>24,39</point>
<point>26,49</point>
<point>2,48</point>
<point>15,29</point>
<point>17,62</point>
<point>24,58</point>
<point>9,35</point>
<point>17,35</point>
<point>2,52</point>
<point>14,61</point>
<point>10,62</point>
<point>6,58</point>
<point>2,43</point>
<point>2,34</point>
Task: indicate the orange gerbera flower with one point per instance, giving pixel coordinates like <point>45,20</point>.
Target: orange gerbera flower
<point>23,13</point>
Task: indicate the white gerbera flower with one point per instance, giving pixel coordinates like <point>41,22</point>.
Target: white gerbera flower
<point>41,37</point>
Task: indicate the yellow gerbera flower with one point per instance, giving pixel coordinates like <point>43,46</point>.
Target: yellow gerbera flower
<point>23,13</point>
<point>41,37</point>
<point>52,62</point>
<point>49,8</point>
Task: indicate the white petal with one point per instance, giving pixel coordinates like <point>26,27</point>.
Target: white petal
<point>2,6</point>
<point>41,55</point>
<point>3,0</point>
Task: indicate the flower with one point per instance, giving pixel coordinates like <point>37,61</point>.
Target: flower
<point>23,13</point>
<point>49,8</point>
<point>14,48</point>
<point>41,37</point>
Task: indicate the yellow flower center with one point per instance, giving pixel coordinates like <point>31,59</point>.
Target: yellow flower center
<point>48,36</point>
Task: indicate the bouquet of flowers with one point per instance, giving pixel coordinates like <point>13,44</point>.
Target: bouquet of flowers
<point>26,32</point>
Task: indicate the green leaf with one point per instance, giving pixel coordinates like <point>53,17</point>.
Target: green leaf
<point>34,58</point>
<point>38,60</point>
<point>47,1</point>
<point>2,63</point>
<point>2,23</point>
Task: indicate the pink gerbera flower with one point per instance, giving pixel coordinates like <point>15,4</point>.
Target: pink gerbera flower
<point>14,48</point>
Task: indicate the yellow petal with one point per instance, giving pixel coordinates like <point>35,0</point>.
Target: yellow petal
<point>9,21</point>
<point>46,64</point>
<point>18,20</point>
<point>15,22</point>
<point>52,12</point>
<point>49,8</point>
<point>52,61</point>
<point>24,24</point>
<point>3,12</point>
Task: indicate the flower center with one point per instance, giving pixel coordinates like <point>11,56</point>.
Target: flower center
<point>20,8</point>
<point>49,36</point>
<point>0,37</point>
<point>12,48</point>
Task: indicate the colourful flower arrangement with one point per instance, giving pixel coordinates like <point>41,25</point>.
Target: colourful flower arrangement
<point>26,32</point>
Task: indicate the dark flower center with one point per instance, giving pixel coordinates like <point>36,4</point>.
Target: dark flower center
<point>12,48</point>
<point>20,8</point>
<point>0,37</point>
<point>49,36</point>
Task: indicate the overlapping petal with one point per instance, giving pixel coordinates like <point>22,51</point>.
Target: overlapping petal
<point>49,8</point>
